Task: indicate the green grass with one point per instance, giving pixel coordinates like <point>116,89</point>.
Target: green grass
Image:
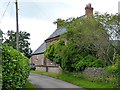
<point>29,86</point>
<point>75,80</point>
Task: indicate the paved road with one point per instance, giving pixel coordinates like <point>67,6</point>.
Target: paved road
<point>42,81</point>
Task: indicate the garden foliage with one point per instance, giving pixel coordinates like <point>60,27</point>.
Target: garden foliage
<point>89,42</point>
<point>113,73</point>
<point>15,68</point>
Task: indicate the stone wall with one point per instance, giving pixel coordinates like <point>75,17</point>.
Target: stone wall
<point>43,69</point>
<point>54,69</point>
<point>37,59</point>
<point>51,41</point>
<point>88,72</point>
<point>94,72</point>
<point>50,69</point>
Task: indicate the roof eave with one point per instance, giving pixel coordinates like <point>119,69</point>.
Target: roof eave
<point>37,53</point>
<point>52,38</point>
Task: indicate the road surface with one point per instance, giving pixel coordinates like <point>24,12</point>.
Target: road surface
<point>42,81</point>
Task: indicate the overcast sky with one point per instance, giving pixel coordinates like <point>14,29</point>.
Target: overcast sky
<point>37,16</point>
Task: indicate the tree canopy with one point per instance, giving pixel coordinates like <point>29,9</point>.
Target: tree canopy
<point>23,42</point>
<point>88,40</point>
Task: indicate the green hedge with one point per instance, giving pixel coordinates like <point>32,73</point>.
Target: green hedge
<point>15,68</point>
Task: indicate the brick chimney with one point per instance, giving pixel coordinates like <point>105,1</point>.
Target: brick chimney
<point>88,10</point>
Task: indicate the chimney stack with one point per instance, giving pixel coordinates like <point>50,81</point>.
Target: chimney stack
<point>88,10</point>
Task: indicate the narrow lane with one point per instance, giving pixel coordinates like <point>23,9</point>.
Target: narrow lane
<point>42,81</point>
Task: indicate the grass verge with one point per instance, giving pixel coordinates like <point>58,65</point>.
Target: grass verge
<point>29,86</point>
<point>75,80</point>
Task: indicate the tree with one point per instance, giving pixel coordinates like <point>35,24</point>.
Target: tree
<point>1,36</point>
<point>89,42</point>
<point>59,22</point>
<point>23,42</point>
<point>1,39</point>
<point>112,24</point>
<point>53,52</point>
<point>95,34</point>
<point>49,53</point>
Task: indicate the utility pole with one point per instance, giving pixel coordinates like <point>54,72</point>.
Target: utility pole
<point>17,26</point>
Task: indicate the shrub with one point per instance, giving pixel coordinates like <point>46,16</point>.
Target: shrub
<point>113,73</point>
<point>15,68</point>
<point>88,61</point>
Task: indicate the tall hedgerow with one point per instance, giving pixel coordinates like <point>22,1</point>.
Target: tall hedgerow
<point>15,68</point>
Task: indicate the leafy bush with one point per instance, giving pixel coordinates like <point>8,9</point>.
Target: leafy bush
<point>53,52</point>
<point>88,61</point>
<point>113,73</point>
<point>15,68</point>
<point>49,53</point>
<point>70,58</point>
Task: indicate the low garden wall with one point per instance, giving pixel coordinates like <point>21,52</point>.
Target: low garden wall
<point>94,72</point>
<point>88,72</point>
<point>54,69</point>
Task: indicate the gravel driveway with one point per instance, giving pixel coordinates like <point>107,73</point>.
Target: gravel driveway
<point>42,81</point>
